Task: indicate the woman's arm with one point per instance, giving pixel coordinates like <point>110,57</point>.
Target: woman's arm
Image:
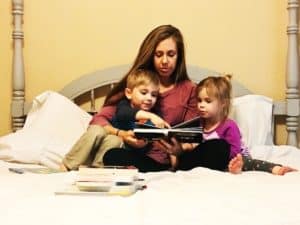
<point>125,113</point>
<point>104,116</point>
<point>127,136</point>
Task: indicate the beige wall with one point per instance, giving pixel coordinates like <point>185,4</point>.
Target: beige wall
<point>5,66</point>
<point>67,38</point>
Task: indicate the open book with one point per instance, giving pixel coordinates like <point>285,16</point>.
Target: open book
<point>188,131</point>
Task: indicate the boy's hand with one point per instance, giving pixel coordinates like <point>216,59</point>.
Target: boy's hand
<point>155,119</point>
<point>159,122</point>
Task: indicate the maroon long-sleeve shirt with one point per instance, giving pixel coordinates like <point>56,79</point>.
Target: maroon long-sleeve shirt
<point>174,106</point>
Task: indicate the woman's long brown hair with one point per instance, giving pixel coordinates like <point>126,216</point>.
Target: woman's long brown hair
<point>145,59</point>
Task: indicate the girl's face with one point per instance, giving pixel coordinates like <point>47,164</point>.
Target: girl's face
<point>165,57</point>
<point>143,96</point>
<point>209,107</point>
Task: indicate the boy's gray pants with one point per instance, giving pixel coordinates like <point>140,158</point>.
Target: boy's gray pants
<point>90,148</point>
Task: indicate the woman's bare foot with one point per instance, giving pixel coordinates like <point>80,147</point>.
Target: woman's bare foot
<point>236,164</point>
<point>281,170</point>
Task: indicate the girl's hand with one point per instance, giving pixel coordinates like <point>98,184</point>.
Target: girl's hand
<point>129,138</point>
<point>173,147</point>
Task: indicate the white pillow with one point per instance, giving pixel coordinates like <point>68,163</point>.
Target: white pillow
<point>53,125</point>
<point>253,114</point>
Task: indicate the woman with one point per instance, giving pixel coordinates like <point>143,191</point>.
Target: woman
<point>162,51</point>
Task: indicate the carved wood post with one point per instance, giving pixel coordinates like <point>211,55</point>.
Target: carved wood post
<point>18,77</point>
<point>292,74</point>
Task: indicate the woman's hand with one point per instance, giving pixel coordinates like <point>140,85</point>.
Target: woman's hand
<point>173,147</point>
<point>129,138</point>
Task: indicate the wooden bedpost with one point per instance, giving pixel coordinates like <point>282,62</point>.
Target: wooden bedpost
<point>18,77</point>
<point>292,74</point>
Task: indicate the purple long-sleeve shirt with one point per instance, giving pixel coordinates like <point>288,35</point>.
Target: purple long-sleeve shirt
<point>229,131</point>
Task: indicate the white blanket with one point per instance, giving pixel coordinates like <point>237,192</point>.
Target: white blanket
<point>53,125</point>
<point>197,197</point>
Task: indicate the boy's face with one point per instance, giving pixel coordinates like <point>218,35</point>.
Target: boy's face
<point>143,96</point>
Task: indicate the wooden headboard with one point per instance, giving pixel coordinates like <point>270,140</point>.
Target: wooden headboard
<point>90,82</point>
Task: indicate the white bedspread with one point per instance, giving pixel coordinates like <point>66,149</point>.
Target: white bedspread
<point>200,196</point>
<point>196,197</point>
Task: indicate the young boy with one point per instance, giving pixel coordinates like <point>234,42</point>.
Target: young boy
<point>142,89</point>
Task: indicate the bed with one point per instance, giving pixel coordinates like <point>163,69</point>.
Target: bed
<point>199,196</point>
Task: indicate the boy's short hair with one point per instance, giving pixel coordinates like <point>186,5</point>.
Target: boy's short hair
<point>141,77</point>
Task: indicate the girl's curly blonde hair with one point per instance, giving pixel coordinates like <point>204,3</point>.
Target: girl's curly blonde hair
<point>220,88</point>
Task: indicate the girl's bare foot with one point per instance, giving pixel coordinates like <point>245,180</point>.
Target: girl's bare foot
<point>236,164</point>
<point>281,170</point>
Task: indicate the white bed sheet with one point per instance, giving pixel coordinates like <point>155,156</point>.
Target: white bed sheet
<point>199,196</point>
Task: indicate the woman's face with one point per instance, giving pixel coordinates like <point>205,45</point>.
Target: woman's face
<point>165,57</point>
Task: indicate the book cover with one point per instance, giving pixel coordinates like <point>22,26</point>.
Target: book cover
<point>188,131</point>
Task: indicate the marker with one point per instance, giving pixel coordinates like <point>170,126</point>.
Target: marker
<point>16,170</point>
